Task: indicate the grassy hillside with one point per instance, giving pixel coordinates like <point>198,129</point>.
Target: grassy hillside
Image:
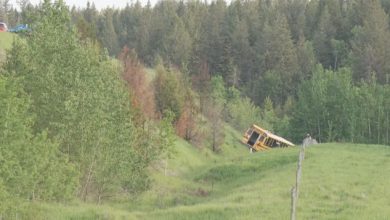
<point>340,181</point>
<point>6,39</point>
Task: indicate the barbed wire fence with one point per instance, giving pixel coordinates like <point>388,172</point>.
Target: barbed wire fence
<point>295,189</point>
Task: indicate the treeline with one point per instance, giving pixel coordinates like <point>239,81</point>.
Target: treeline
<point>248,40</point>
<point>334,109</point>
<point>268,51</point>
<point>264,49</point>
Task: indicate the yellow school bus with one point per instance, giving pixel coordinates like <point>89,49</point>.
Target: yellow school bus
<point>258,139</point>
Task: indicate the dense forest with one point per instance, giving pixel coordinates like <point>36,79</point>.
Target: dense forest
<point>89,99</point>
<point>322,66</point>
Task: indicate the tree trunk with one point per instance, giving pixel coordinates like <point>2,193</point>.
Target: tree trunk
<point>84,192</point>
<point>369,130</point>
<point>379,125</point>
<point>319,130</point>
<point>387,128</point>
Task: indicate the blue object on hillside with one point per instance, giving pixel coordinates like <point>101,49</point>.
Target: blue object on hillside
<point>20,28</point>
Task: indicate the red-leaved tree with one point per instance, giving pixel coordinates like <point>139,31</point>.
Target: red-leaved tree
<point>135,76</point>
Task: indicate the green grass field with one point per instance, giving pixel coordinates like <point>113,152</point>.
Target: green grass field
<point>6,39</point>
<point>339,181</point>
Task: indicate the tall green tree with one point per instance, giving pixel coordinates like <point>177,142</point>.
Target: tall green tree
<point>370,45</point>
<point>107,33</point>
<point>279,61</point>
<point>322,38</point>
<point>306,59</point>
<point>214,48</point>
<point>295,13</point>
<point>33,168</point>
<point>324,105</point>
<point>215,111</point>
<point>168,94</point>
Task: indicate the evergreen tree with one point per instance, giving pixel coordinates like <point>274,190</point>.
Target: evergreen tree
<point>306,59</point>
<point>241,51</point>
<point>294,11</point>
<point>214,48</point>
<point>107,33</point>
<point>279,61</point>
<point>179,44</point>
<point>370,45</point>
<point>163,24</point>
<point>322,39</point>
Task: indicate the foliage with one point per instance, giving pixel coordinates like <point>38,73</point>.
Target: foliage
<point>214,112</point>
<point>188,124</point>
<point>32,168</point>
<point>331,108</point>
<point>241,112</point>
<point>168,92</point>
<point>78,97</point>
<point>370,53</point>
<point>262,49</point>
<point>324,104</point>
<point>143,96</point>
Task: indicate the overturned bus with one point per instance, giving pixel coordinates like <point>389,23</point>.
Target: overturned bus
<point>258,139</point>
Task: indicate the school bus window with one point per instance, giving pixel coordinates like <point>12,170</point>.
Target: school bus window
<point>269,142</point>
<point>252,140</point>
<point>261,139</point>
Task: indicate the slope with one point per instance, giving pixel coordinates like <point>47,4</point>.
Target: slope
<point>340,181</point>
<point>6,40</point>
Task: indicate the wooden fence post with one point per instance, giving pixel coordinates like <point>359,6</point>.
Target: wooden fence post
<point>293,207</point>
<point>295,189</point>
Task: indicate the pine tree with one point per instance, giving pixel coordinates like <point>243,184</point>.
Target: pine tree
<point>370,45</point>
<point>322,39</point>
<point>279,61</point>
<point>107,33</point>
<point>295,13</point>
<point>306,59</point>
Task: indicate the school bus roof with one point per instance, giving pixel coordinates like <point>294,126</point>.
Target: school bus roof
<point>273,136</point>
<point>280,139</point>
<point>259,128</point>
